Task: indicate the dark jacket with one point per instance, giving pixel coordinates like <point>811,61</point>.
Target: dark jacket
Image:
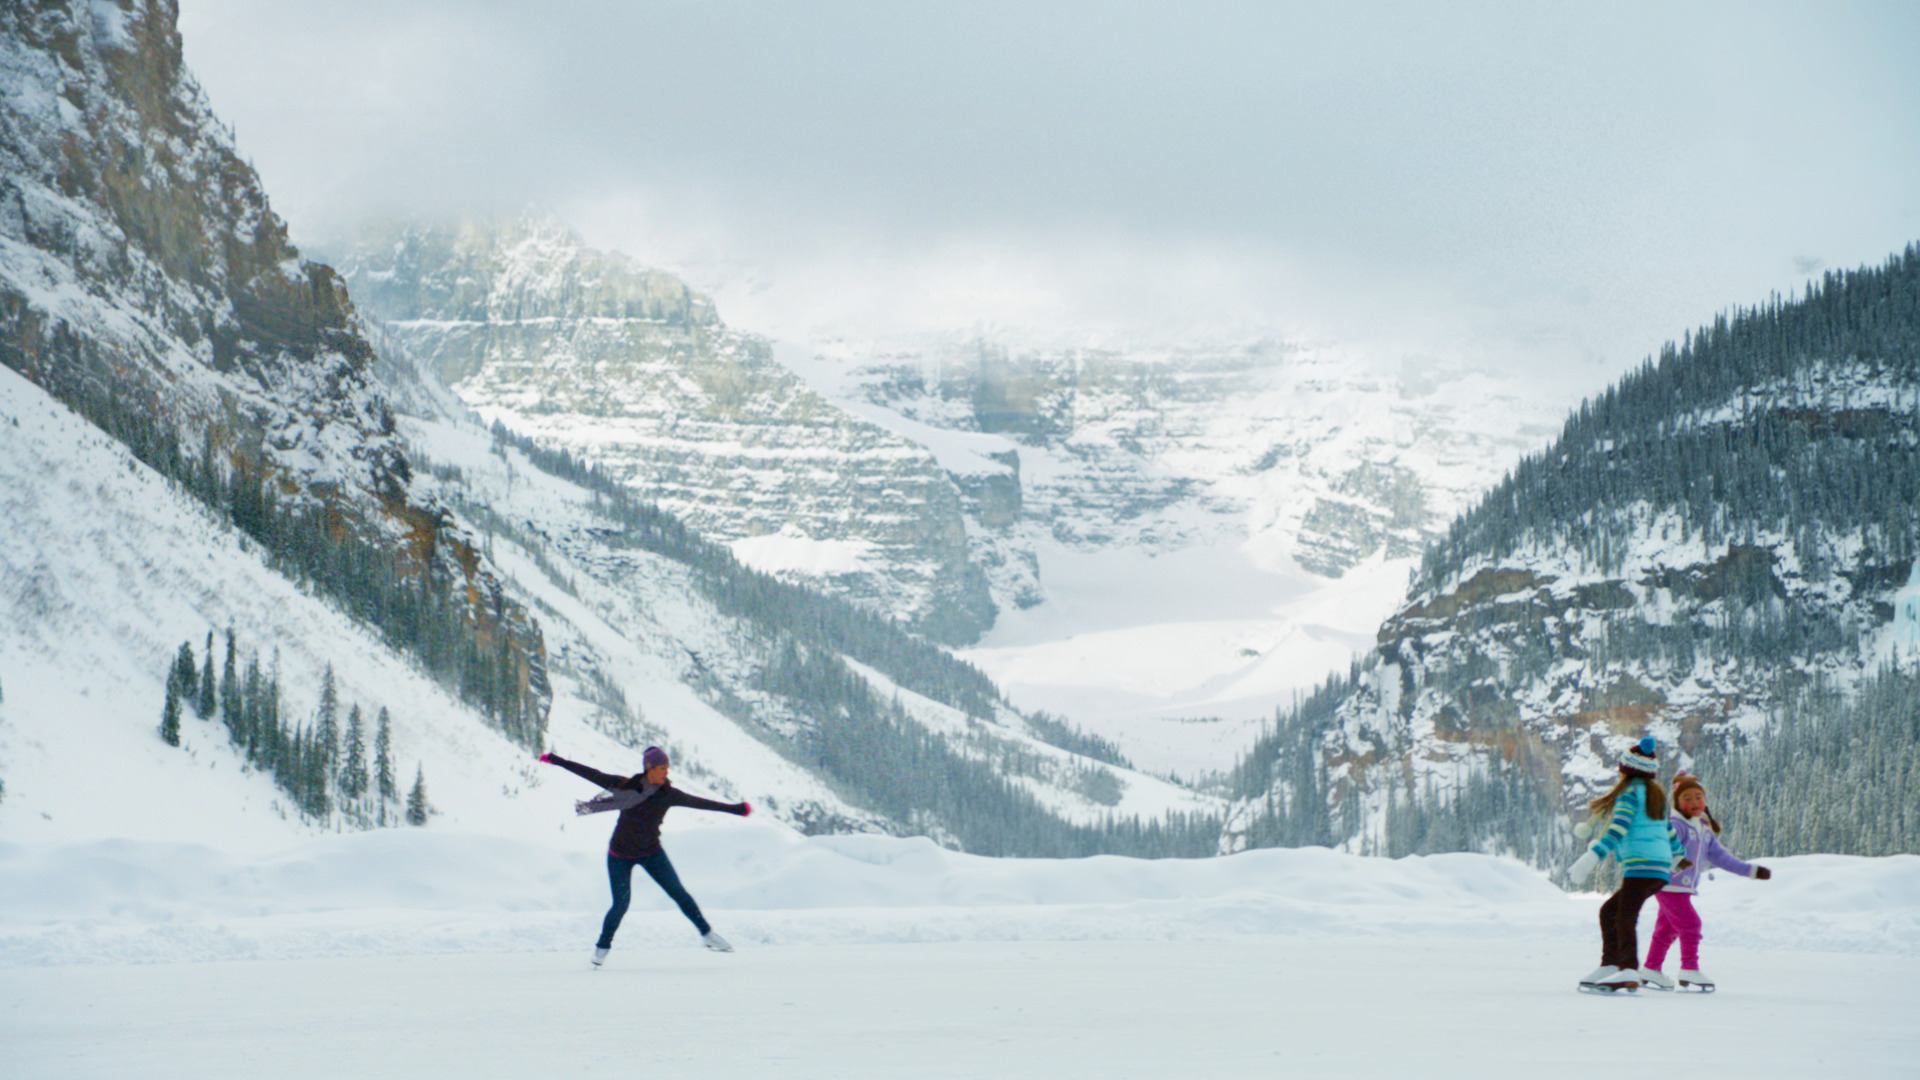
<point>636,834</point>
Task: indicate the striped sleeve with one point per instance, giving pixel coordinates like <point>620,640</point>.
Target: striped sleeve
<point>1673,841</point>
<point>1624,810</point>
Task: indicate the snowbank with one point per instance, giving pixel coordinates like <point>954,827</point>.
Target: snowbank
<point>404,891</point>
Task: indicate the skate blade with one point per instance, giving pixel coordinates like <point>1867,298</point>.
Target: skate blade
<point>1696,988</point>
<point>1596,988</point>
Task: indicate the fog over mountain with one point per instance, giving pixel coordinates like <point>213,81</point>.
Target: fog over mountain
<point>1552,190</point>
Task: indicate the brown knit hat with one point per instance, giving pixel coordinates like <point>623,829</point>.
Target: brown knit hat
<point>1685,782</point>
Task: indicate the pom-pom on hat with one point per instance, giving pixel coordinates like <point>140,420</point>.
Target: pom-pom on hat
<point>1643,756</point>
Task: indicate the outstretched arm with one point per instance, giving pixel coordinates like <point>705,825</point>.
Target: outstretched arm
<point>605,780</point>
<point>1718,855</point>
<point>695,802</point>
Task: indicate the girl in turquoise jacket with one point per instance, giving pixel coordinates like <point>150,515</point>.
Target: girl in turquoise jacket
<point>1639,835</point>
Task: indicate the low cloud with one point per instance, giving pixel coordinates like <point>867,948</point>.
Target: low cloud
<point>1545,186</point>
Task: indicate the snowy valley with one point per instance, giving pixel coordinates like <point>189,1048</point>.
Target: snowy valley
<point>1159,542</point>
<point>1210,705</point>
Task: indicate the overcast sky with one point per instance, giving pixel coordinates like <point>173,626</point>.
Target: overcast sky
<point>1556,185</point>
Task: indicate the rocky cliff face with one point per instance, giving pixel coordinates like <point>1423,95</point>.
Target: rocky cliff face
<point>1722,541</point>
<point>632,370</point>
<point>922,477</point>
<point>1307,455</point>
<point>146,282</point>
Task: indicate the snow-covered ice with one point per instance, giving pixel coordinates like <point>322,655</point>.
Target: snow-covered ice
<point>421,952</point>
<point>1262,1008</point>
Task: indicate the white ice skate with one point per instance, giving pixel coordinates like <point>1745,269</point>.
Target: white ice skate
<point>1627,979</point>
<point>1697,981</point>
<point>712,940</point>
<point>1654,980</point>
<point>1591,984</point>
<point>599,956</point>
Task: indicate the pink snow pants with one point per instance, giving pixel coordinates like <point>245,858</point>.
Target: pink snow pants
<point>1677,919</point>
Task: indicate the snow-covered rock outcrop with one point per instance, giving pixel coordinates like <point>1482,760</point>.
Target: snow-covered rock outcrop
<point>631,369</point>
<point>146,282</point>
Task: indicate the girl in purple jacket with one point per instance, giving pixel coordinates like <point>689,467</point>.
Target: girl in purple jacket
<point>1700,835</point>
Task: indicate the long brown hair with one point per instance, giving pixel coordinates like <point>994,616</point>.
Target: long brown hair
<point>1602,807</point>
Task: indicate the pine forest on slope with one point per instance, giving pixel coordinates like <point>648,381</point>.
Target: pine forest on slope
<point>150,289</point>
<point>145,282</point>
<point>1720,549</point>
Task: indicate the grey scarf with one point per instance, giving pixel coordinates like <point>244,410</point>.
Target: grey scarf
<point>617,799</point>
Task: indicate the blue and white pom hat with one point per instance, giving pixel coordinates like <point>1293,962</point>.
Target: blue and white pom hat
<point>1643,756</point>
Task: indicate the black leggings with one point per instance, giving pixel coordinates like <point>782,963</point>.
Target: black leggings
<point>1620,921</point>
<point>620,877</point>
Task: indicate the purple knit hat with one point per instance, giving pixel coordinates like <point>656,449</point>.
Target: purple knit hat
<point>653,758</point>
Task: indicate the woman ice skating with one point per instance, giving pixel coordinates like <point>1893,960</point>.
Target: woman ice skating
<point>643,799</point>
<point>1700,839</point>
<point>1639,835</point>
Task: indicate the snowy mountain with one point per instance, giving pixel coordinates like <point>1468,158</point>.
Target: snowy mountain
<point>1721,546</point>
<point>631,369</point>
<point>1249,507</point>
<point>667,637</point>
<point>145,281</point>
<point>201,456</point>
<point>1183,536</point>
<point>1310,455</point>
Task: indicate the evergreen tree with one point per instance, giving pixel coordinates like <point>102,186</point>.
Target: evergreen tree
<point>327,723</point>
<point>230,685</point>
<point>253,707</point>
<point>273,738</point>
<point>353,773</point>
<point>170,716</point>
<point>185,672</point>
<point>417,808</point>
<point>203,702</point>
<point>383,758</point>
<point>293,766</point>
<point>313,777</point>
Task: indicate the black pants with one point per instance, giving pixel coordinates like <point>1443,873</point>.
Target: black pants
<point>620,877</point>
<point>1620,921</point>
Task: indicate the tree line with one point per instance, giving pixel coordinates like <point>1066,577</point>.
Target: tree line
<point>876,752</point>
<point>1782,441</point>
<point>764,600</point>
<point>417,604</point>
<point>871,750</point>
<point>324,768</point>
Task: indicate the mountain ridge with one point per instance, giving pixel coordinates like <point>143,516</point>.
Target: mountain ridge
<point>1709,542</point>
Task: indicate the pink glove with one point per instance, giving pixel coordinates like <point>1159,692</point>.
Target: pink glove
<point>547,758</point>
<point>746,808</point>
